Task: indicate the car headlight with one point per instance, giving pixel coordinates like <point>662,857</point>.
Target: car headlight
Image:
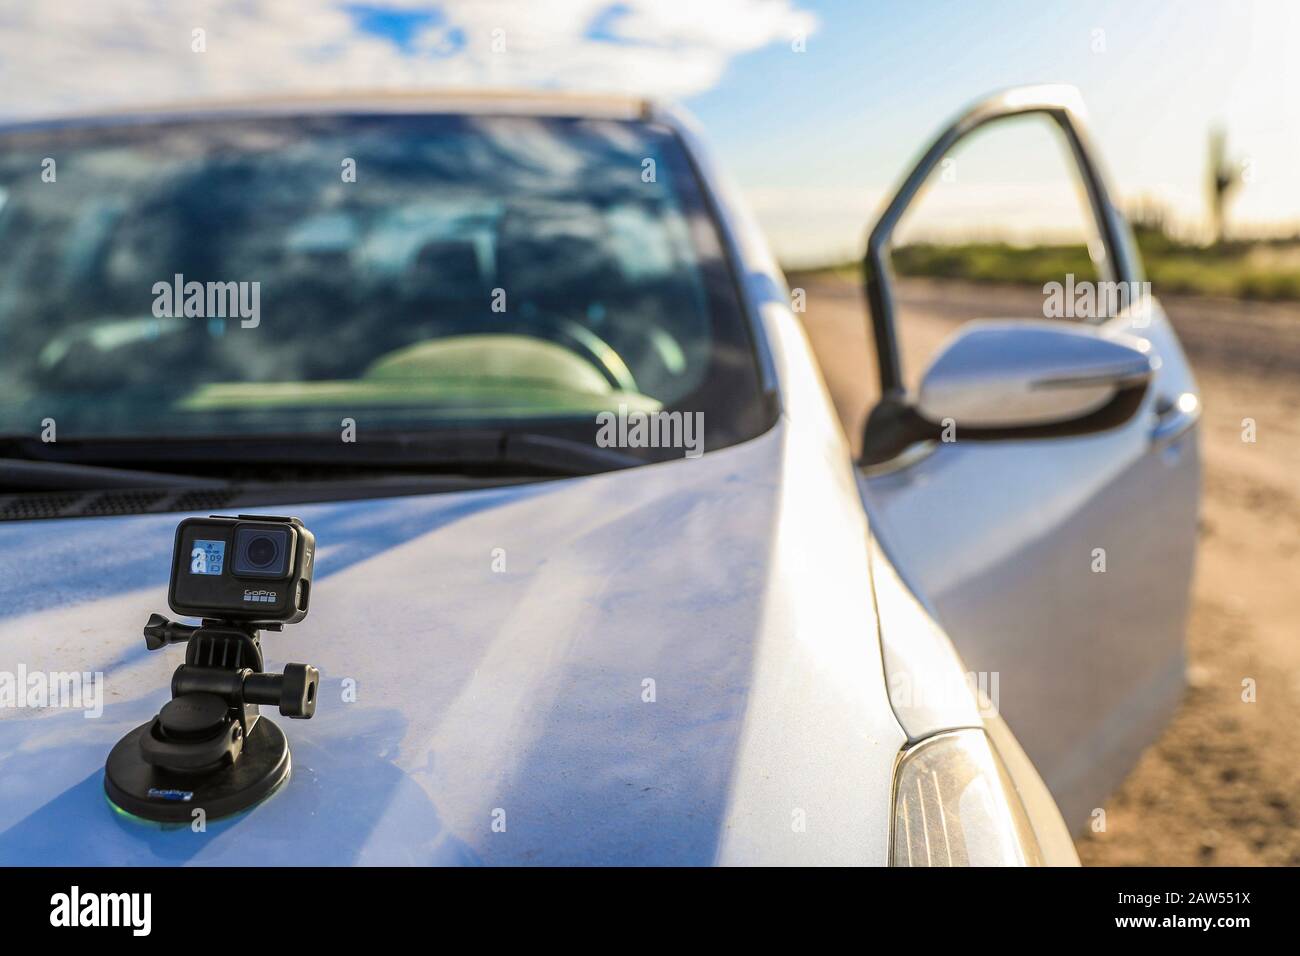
<point>955,805</point>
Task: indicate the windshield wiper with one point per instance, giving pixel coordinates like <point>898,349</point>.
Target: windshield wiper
<point>131,462</point>
<point>26,475</point>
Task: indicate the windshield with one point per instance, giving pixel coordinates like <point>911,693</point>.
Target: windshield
<point>273,275</point>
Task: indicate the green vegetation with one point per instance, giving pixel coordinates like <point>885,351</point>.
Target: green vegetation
<point>993,262</point>
<point>1240,268</point>
<point>1246,269</point>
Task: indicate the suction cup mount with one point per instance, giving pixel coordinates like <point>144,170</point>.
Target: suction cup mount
<point>209,747</point>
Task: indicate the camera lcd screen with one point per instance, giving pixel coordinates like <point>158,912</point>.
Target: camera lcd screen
<point>207,557</point>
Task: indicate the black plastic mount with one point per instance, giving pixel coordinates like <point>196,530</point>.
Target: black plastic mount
<point>209,747</point>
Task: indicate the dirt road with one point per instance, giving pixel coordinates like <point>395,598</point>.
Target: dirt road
<point>1222,787</point>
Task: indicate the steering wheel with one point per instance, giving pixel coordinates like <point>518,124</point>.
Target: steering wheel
<point>572,336</point>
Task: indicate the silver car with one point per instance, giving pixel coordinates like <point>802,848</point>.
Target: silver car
<point>542,640</point>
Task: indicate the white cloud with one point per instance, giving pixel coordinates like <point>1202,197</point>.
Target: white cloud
<point>61,57</point>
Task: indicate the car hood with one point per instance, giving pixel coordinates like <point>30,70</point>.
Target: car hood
<point>676,663</point>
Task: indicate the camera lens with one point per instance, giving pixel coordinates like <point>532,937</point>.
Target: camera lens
<point>262,551</point>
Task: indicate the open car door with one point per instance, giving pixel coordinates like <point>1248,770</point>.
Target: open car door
<point>1050,529</point>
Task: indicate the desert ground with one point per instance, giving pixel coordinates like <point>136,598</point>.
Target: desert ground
<point>1222,786</point>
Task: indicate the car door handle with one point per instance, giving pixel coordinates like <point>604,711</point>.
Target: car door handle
<point>1174,418</point>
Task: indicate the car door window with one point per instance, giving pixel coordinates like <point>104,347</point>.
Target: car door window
<point>1002,229</point>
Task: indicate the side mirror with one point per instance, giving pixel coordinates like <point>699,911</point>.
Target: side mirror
<point>1062,380</point>
<point>1014,379</point>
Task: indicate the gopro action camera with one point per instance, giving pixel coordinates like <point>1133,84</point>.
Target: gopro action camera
<point>209,748</point>
<point>249,568</point>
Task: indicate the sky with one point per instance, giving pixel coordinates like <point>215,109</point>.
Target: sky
<point>821,138</point>
<point>816,107</point>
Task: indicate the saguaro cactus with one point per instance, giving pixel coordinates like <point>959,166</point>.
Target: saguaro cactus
<point>1224,177</point>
